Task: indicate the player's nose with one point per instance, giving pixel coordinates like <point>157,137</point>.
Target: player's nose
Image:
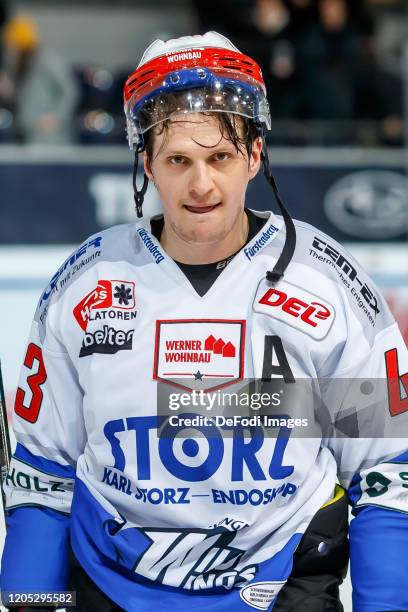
<point>201,181</point>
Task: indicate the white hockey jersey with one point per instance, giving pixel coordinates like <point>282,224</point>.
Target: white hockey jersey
<point>210,519</point>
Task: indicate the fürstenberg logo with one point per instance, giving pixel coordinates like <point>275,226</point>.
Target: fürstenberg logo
<point>251,251</point>
<point>149,244</point>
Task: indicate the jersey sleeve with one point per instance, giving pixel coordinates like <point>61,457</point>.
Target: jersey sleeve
<point>366,395</point>
<point>50,434</point>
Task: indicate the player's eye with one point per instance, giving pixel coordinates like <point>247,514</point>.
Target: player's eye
<point>177,160</point>
<point>221,156</point>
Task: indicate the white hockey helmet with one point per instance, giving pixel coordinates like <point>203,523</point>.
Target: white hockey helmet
<point>192,74</point>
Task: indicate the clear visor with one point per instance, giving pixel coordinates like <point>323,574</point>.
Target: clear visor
<point>221,97</point>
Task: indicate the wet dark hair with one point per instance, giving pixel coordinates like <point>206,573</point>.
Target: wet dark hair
<point>241,131</point>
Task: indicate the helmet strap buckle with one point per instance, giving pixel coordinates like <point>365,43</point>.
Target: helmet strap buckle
<point>139,194</point>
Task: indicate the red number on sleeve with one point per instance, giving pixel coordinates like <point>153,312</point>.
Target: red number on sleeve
<point>396,403</point>
<point>30,413</point>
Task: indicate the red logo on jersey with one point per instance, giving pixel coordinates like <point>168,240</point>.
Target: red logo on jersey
<point>198,350</point>
<point>396,382</point>
<point>199,353</point>
<point>108,294</point>
<point>296,307</point>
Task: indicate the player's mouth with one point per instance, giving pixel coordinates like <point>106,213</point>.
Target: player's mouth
<point>202,208</point>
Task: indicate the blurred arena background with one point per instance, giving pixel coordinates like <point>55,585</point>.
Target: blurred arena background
<point>337,76</point>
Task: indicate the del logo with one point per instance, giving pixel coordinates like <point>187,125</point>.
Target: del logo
<point>106,340</point>
<point>296,307</point>
<point>199,353</point>
<point>108,294</point>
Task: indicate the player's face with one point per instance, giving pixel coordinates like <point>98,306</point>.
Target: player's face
<point>201,179</point>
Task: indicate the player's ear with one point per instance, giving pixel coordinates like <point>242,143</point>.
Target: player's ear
<point>255,159</point>
<point>147,166</point>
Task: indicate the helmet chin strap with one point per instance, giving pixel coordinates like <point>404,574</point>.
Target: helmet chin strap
<point>139,194</point>
<point>273,276</point>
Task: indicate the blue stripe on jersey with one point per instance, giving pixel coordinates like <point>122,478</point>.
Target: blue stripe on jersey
<point>42,464</point>
<point>354,491</point>
<point>403,458</point>
<point>110,554</point>
<point>378,553</point>
<point>35,555</point>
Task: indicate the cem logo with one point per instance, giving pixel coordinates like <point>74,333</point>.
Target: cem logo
<point>107,341</point>
<point>296,307</point>
<point>369,204</point>
<point>199,353</point>
<point>108,294</point>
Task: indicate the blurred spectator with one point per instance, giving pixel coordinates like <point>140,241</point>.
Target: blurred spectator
<point>262,29</point>
<point>379,80</point>
<point>36,85</point>
<point>323,61</point>
<point>325,54</point>
<point>20,40</point>
<point>270,16</point>
<point>318,58</point>
<point>100,117</point>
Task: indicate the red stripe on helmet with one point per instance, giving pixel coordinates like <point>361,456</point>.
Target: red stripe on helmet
<point>148,76</point>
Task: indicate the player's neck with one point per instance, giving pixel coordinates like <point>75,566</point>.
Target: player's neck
<point>195,253</point>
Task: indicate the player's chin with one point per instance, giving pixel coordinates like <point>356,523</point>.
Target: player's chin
<point>205,230</point>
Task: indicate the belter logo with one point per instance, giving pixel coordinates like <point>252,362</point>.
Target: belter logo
<point>114,296</point>
<point>199,354</point>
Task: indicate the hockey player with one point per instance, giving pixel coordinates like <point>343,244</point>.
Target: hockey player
<point>192,301</point>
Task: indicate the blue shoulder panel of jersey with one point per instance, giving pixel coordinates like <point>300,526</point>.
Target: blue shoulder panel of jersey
<point>378,552</point>
<point>354,491</point>
<point>35,555</point>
